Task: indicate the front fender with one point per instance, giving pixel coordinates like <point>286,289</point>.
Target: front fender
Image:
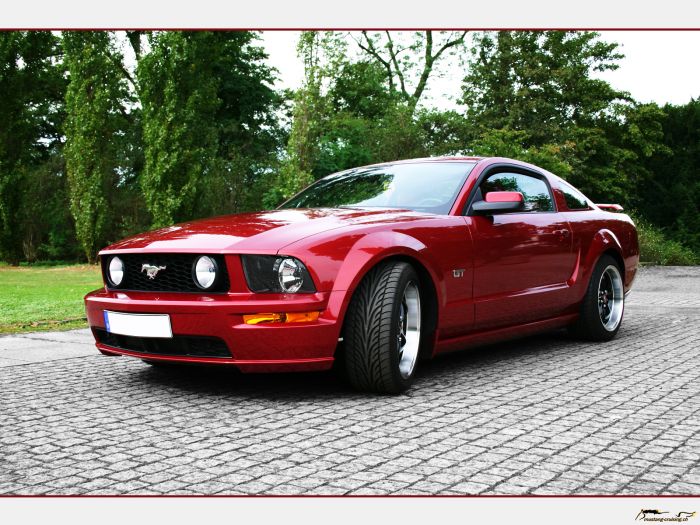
<point>374,247</point>
<point>369,251</point>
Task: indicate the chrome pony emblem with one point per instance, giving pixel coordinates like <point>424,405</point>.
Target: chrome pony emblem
<point>151,271</point>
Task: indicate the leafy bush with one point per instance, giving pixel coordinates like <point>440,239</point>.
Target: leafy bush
<point>656,248</point>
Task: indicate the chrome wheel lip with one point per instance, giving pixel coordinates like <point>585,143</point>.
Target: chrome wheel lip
<point>611,298</point>
<point>408,336</point>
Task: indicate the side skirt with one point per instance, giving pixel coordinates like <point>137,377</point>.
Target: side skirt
<point>502,334</point>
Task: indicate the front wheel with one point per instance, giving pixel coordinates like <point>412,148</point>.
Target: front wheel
<point>383,329</point>
<point>604,303</point>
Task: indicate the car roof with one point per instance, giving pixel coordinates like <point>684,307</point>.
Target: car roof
<point>430,159</point>
<point>422,160</point>
<point>455,158</point>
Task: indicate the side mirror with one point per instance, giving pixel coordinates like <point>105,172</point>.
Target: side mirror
<point>499,202</point>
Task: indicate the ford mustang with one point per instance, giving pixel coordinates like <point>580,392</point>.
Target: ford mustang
<point>373,269</point>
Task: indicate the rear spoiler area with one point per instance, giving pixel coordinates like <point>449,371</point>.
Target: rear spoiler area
<point>610,207</point>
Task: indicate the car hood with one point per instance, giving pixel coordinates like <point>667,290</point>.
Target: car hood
<point>261,232</point>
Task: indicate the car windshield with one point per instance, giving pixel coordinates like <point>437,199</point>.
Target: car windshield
<point>430,187</point>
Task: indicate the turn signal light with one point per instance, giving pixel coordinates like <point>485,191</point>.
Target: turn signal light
<point>290,317</point>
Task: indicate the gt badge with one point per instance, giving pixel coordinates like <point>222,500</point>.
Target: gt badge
<point>459,272</point>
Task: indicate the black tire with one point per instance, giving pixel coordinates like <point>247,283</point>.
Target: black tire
<point>590,324</point>
<point>371,335</point>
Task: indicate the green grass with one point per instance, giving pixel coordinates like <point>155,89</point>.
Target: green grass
<point>34,298</point>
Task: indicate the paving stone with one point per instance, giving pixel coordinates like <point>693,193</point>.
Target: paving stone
<point>469,488</point>
<point>543,415</point>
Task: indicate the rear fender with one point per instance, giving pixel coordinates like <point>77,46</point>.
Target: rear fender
<point>603,241</point>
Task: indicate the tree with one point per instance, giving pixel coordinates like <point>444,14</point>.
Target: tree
<point>95,118</point>
<point>608,159</point>
<point>356,130</point>
<point>537,89</point>
<point>197,128</point>
<point>208,125</point>
<point>409,62</point>
<point>355,110</point>
<point>540,82</point>
<point>47,228</point>
<point>444,132</point>
<point>309,111</point>
<point>671,197</point>
<point>250,135</point>
<point>510,143</point>
<point>178,94</point>
<point>32,87</point>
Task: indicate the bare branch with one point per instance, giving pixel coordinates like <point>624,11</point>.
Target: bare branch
<point>369,48</point>
<point>372,50</point>
<point>430,60</point>
<point>427,68</point>
<point>135,41</point>
<point>449,44</point>
<point>395,61</point>
<point>393,66</point>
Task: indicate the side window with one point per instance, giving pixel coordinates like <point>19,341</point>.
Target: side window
<point>535,191</point>
<point>575,200</point>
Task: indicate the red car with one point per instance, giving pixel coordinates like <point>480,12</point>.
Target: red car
<point>374,268</point>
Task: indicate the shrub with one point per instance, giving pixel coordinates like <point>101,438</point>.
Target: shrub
<point>656,248</point>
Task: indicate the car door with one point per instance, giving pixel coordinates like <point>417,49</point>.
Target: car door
<point>523,259</point>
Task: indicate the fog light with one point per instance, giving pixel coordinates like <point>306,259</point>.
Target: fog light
<point>115,271</point>
<point>204,272</point>
<point>291,317</point>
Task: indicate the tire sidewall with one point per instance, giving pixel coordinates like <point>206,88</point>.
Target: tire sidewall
<point>594,322</point>
<point>408,275</point>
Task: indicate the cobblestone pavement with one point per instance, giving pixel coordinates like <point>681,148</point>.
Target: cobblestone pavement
<point>545,415</point>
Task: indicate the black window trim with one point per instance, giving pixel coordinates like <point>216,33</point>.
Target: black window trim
<point>514,168</point>
<point>561,184</point>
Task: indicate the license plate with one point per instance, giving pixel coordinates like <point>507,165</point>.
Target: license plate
<point>138,325</point>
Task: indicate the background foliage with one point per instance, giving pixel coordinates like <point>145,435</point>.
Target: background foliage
<point>107,134</point>
<point>95,120</point>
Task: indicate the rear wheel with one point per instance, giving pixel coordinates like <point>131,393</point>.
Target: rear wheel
<point>604,303</point>
<point>383,329</point>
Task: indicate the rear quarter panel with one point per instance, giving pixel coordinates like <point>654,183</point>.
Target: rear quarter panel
<point>596,232</point>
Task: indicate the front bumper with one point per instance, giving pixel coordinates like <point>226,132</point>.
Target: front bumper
<point>253,348</point>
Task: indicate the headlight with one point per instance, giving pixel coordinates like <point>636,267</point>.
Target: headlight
<point>276,274</point>
<point>115,273</point>
<point>204,272</point>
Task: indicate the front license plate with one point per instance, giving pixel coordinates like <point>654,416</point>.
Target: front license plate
<point>138,325</point>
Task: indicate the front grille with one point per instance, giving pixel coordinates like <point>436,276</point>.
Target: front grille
<point>179,345</point>
<point>176,277</point>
